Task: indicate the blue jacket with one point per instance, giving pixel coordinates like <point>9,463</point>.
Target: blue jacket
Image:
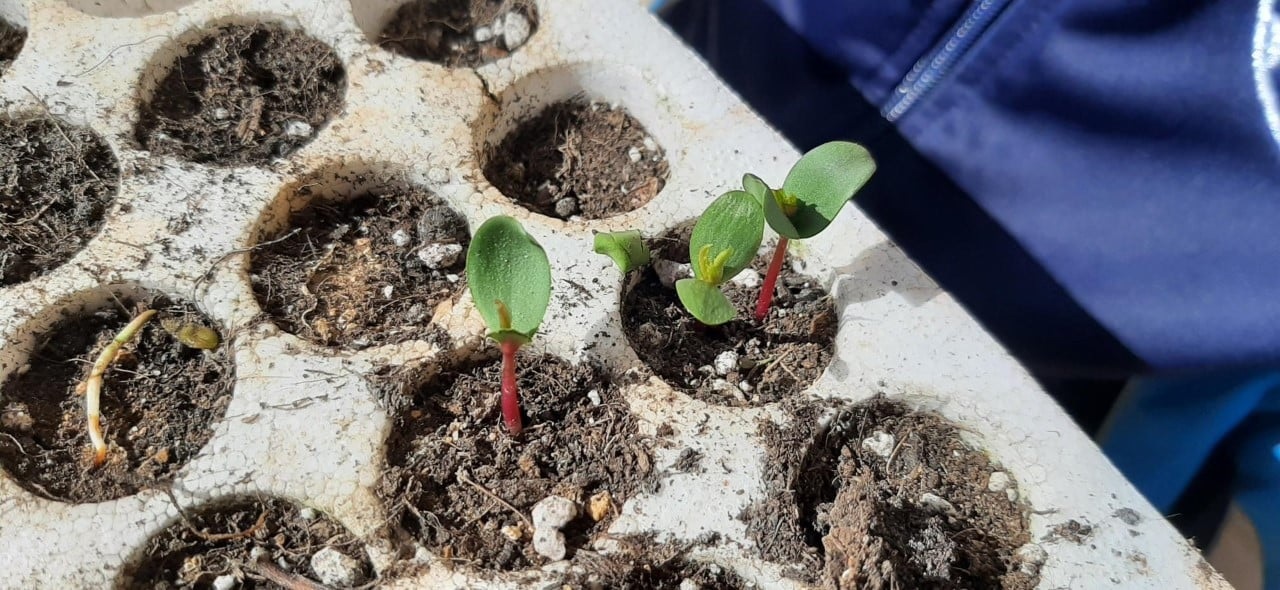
<point>1123,146</point>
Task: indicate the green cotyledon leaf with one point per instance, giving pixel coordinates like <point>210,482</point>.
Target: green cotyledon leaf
<point>822,181</point>
<point>705,301</point>
<point>510,279</point>
<point>626,248</point>
<point>733,223</point>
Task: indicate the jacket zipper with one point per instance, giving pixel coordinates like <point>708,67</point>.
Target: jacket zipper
<point>929,70</point>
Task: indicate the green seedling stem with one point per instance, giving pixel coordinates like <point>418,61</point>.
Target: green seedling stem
<point>93,385</point>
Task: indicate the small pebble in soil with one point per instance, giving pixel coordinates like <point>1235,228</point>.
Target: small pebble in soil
<point>726,362</point>
<point>549,515</point>
<point>335,568</point>
<point>1011,494</point>
<point>513,532</point>
<point>16,417</point>
<point>549,543</point>
<point>748,278</point>
<point>936,503</point>
<point>600,505</point>
<point>567,207</point>
<point>634,154</point>
<point>307,514</point>
<point>439,256</point>
<point>670,272</point>
<point>998,482</point>
<point>400,238</point>
<point>297,129</point>
<point>687,584</point>
<point>483,34</point>
<point>225,582</point>
<point>594,396</point>
<point>515,30</point>
<point>880,442</point>
<point>1031,557</point>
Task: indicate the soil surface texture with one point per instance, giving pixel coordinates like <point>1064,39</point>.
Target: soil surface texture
<point>366,272</point>
<point>460,33</point>
<point>56,181</point>
<point>885,498</point>
<point>160,401</point>
<point>268,544</point>
<point>464,488</point>
<point>646,566</point>
<point>579,158</point>
<point>243,95</point>
<point>12,38</point>
<point>742,362</point>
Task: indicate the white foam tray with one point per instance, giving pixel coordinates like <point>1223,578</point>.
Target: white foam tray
<point>304,424</point>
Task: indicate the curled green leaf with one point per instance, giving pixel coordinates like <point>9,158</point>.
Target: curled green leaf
<point>626,248</point>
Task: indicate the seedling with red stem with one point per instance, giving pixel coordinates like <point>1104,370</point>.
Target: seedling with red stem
<point>510,281</point>
<point>811,197</point>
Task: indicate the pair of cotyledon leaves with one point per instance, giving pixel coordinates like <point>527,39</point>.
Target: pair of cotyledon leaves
<point>510,277</point>
<point>727,236</point>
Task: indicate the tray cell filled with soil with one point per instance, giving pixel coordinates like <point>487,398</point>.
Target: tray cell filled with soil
<point>250,544</point>
<point>739,363</point>
<point>885,497</point>
<point>242,95</point>
<point>12,37</point>
<point>161,394</point>
<point>579,158</point>
<point>457,33</point>
<point>56,182</point>
<point>458,483</point>
<point>365,271</point>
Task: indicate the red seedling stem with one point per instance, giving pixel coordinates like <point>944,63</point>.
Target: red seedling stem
<point>771,279</point>
<point>510,391</point>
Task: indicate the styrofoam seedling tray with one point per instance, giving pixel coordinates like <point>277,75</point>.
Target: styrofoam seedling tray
<point>304,422</point>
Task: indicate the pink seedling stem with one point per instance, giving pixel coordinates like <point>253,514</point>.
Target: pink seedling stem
<point>771,279</point>
<point>510,389</point>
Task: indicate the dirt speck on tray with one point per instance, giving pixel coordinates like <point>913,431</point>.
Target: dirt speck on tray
<point>1072,531</point>
<point>884,497</point>
<point>645,565</point>
<point>742,362</point>
<point>12,38</point>
<point>365,272</point>
<point>579,158</point>
<point>262,544</point>
<point>464,488</point>
<point>243,95</point>
<point>460,33</point>
<point>56,181</point>
<point>160,401</point>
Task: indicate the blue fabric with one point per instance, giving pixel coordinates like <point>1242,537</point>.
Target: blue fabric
<point>1163,429</point>
<point>1120,142</point>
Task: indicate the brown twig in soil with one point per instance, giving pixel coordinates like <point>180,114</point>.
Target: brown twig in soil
<point>65,137</point>
<point>93,385</point>
<point>462,477</point>
<point>285,579</point>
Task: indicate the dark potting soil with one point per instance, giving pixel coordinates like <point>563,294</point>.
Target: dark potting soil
<point>853,518</point>
<point>351,275</point>
<point>776,360</point>
<point>12,38</point>
<point>56,181</point>
<point>579,158</point>
<point>243,95</point>
<point>266,544</point>
<point>160,400</point>
<point>455,474</point>
<point>460,33</point>
<point>648,566</point>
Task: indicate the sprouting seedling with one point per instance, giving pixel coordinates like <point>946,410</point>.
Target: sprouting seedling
<point>510,281</point>
<point>724,242</point>
<point>626,248</point>
<point>813,194</point>
<point>190,334</point>
<point>93,385</point>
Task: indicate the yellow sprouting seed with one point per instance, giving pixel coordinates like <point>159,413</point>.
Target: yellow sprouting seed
<point>713,270</point>
<point>191,335</point>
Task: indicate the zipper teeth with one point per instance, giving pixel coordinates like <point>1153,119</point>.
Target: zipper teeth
<point>926,73</point>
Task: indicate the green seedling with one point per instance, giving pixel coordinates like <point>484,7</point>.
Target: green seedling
<point>724,242</point>
<point>510,281</point>
<point>92,387</point>
<point>626,248</point>
<point>811,197</point>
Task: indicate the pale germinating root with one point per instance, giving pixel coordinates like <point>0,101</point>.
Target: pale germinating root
<point>93,385</point>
